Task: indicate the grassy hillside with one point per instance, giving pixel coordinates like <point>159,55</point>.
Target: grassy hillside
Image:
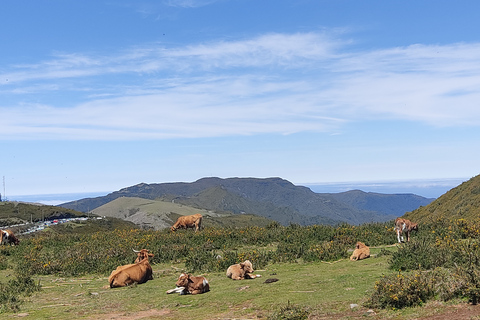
<point>12,212</point>
<point>462,202</point>
<point>91,226</point>
<point>158,214</point>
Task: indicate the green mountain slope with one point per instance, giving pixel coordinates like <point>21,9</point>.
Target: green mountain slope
<point>158,214</point>
<point>462,202</point>
<point>273,198</point>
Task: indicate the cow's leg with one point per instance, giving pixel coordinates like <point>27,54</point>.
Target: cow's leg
<point>398,236</point>
<point>403,229</point>
<point>176,290</point>
<point>196,291</point>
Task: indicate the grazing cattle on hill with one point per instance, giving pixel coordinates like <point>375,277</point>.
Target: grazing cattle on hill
<point>241,271</point>
<point>185,222</point>
<point>361,252</point>
<point>7,236</point>
<point>404,225</point>
<point>139,272</point>
<point>187,283</point>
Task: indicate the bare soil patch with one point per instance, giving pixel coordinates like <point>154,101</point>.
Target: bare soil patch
<point>152,314</point>
<point>458,312</point>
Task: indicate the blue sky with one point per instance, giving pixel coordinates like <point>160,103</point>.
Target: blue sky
<point>100,95</point>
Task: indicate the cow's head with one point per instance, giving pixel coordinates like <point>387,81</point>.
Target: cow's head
<point>247,266</point>
<point>142,254</point>
<point>360,245</point>
<point>173,228</point>
<point>183,280</point>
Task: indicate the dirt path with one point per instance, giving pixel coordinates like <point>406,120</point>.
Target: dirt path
<point>150,314</point>
<point>458,312</point>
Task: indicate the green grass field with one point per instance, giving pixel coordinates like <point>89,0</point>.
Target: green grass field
<point>311,264</point>
<point>323,287</point>
<point>326,289</point>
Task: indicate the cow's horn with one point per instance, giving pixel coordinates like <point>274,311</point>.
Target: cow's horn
<point>136,251</point>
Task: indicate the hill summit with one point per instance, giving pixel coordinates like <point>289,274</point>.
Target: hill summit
<point>272,198</point>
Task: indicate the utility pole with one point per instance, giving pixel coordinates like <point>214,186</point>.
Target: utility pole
<point>4,195</point>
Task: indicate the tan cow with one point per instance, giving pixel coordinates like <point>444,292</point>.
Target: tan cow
<point>361,252</point>
<point>142,254</point>
<point>187,283</point>
<point>404,225</point>
<point>139,272</point>
<point>185,222</point>
<point>8,237</point>
<point>242,271</point>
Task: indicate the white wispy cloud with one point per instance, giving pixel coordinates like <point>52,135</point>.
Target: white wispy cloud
<point>273,83</point>
<point>189,3</point>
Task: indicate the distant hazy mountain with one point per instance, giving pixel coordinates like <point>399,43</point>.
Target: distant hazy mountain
<point>273,198</point>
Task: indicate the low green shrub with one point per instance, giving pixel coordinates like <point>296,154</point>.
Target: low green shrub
<point>326,251</point>
<point>290,312</point>
<point>402,290</point>
<point>12,291</point>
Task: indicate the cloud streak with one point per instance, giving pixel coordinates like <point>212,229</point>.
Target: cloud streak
<point>273,83</point>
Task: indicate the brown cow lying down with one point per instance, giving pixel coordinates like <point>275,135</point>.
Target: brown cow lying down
<point>361,252</point>
<point>404,225</point>
<point>142,254</point>
<point>139,272</point>
<point>189,284</point>
<point>8,237</point>
<point>185,222</point>
<point>242,271</point>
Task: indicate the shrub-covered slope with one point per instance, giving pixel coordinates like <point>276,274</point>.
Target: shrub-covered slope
<point>462,202</point>
<point>19,212</point>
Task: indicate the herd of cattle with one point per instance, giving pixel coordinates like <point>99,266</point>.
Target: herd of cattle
<point>141,271</point>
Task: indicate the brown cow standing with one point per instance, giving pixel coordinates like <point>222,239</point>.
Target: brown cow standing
<point>241,271</point>
<point>361,252</point>
<point>185,222</point>
<point>187,283</point>
<point>404,225</point>
<point>8,237</point>
<point>139,272</point>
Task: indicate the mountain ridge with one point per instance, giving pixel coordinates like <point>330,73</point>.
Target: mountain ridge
<point>274,198</point>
